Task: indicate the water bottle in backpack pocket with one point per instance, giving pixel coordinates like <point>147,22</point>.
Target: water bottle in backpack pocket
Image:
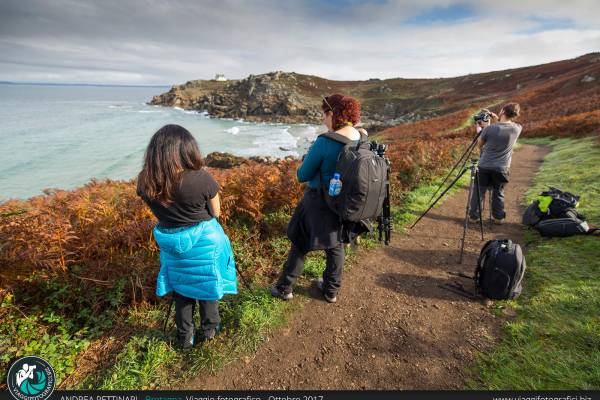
<point>335,185</point>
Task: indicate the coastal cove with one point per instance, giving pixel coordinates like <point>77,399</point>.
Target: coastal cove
<point>62,136</point>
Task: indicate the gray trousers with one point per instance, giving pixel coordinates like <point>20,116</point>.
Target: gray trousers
<point>184,317</point>
<point>494,181</point>
<point>332,276</point>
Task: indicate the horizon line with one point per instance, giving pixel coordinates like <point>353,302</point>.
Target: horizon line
<point>293,72</point>
<point>82,84</point>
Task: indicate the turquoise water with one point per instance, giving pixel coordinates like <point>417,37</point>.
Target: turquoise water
<point>62,136</point>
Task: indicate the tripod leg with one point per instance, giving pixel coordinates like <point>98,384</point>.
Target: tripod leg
<point>466,223</point>
<point>244,281</point>
<point>479,202</point>
<point>462,160</point>
<point>169,308</point>
<point>439,197</point>
<point>387,209</point>
<point>490,201</point>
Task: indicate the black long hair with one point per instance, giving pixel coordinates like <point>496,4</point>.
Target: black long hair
<point>171,151</point>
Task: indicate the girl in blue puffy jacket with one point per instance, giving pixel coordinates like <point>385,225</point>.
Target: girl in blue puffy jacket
<point>196,261</point>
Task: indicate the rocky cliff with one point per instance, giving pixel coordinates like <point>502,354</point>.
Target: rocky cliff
<point>273,97</point>
<point>296,98</point>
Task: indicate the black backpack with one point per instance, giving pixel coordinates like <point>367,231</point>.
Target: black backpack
<point>563,227</point>
<point>500,270</point>
<point>553,214</point>
<point>560,203</point>
<point>363,174</point>
<point>532,215</point>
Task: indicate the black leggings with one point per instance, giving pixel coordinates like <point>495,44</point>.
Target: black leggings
<point>184,316</point>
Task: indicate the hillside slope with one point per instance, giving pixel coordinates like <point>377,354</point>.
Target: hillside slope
<point>292,97</point>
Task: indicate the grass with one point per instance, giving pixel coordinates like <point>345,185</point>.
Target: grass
<point>554,342</point>
<point>150,360</point>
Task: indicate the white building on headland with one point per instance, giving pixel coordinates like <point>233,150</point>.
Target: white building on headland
<point>220,77</point>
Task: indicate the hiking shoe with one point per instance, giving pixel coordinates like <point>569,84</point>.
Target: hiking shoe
<point>497,221</point>
<point>330,299</point>
<point>276,292</point>
<point>187,345</point>
<point>473,219</point>
<point>211,333</point>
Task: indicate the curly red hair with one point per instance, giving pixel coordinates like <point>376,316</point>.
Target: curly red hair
<point>346,110</point>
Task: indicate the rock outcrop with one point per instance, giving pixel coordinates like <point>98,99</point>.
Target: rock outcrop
<point>273,97</point>
<point>223,160</point>
<point>228,160</point>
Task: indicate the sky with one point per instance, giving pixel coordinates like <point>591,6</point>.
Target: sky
<point>156,42</point>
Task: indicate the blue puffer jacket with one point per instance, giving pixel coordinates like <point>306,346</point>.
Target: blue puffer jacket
<point>195,261</point>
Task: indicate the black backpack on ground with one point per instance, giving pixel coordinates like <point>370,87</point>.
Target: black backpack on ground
<point>561,202</point>
<point>553,214</point>
<point>532,215</point>
<point>500,270</point>
<point>563,227</point>
<point>363,174</point>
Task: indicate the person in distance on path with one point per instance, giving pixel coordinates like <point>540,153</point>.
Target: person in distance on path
<point>496,143</point>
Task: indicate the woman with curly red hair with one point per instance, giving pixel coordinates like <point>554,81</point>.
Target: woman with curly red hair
<point>314,226</point>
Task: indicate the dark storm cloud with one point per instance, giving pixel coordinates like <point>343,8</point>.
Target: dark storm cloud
<point>174,41</point>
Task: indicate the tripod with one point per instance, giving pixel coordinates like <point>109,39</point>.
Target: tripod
<point>473,185</point>
<point>384,221</point>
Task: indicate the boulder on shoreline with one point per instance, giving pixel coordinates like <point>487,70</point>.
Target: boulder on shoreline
<point>228,160</point>
<point>224,160</point>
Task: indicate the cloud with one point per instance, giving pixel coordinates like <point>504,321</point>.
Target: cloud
<point>155,42</point>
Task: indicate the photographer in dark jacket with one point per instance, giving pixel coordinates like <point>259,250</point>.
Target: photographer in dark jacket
<point>314,226</point>
<point>496,143</point>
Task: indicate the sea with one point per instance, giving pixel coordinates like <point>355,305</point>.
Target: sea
<point>61,136</point>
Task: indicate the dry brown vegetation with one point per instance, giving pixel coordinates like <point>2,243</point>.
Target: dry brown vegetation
<point>105,230</point>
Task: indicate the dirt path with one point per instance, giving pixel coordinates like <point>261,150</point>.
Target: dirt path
<point>393,327</point>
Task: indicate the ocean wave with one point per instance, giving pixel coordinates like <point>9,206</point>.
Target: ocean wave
<point>234,130</point>
<point>280,140</point>
<point>149,111</point>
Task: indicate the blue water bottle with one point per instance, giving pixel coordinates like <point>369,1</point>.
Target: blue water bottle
<point>335,185</point>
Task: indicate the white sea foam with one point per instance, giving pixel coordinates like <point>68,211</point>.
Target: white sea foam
<point>234,130</point>
<point>278,142</point>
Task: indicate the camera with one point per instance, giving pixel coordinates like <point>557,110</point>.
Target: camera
<point>378,148</point>
<point>483,115</point>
